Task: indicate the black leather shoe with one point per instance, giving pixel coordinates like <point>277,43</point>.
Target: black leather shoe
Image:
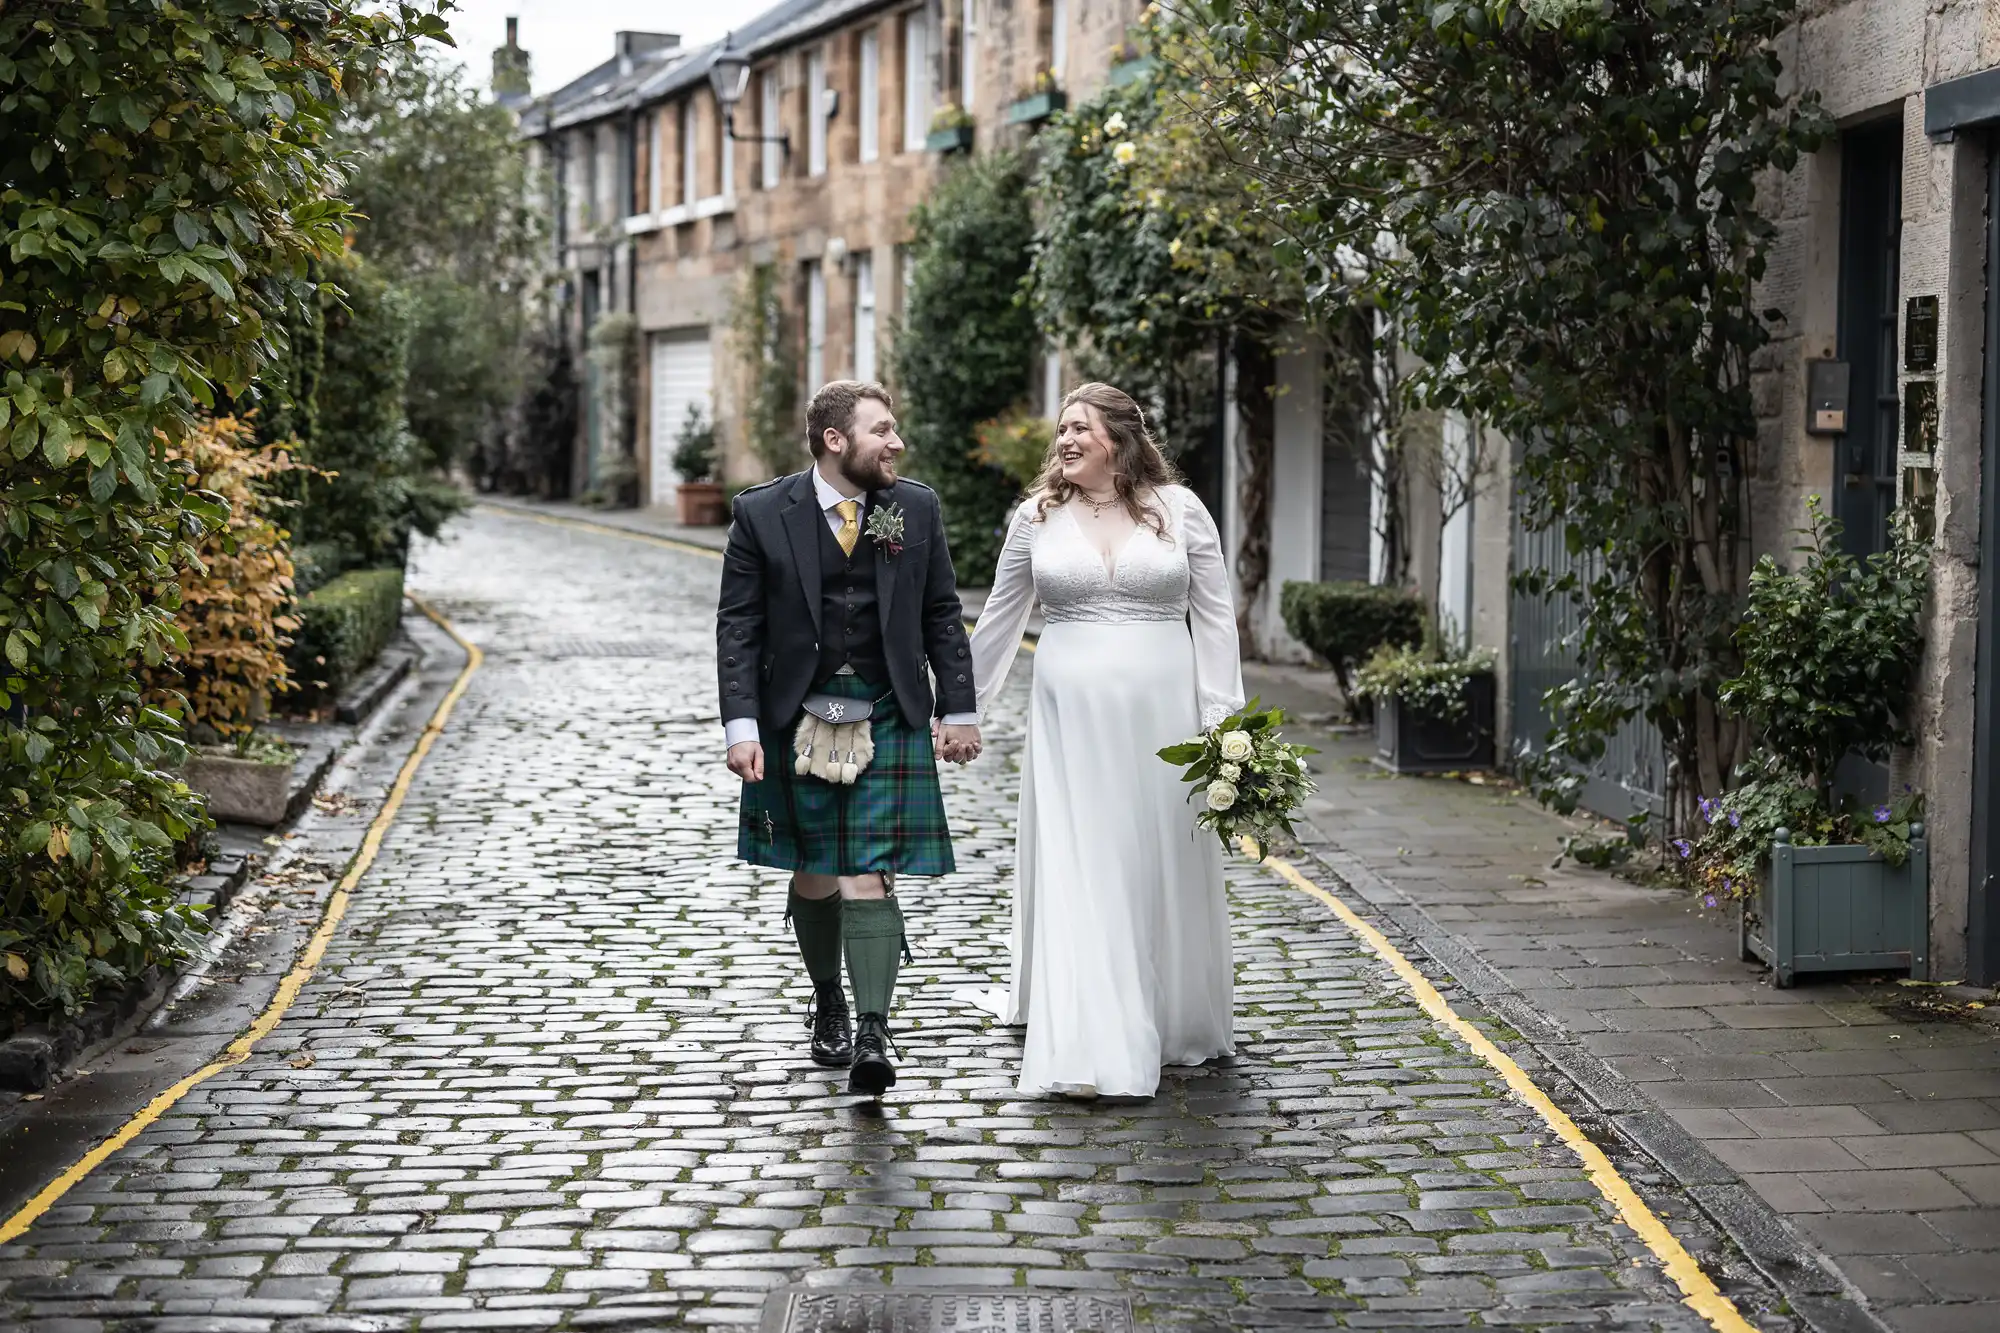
<point>832,1030</point>
<point>872,1074</point>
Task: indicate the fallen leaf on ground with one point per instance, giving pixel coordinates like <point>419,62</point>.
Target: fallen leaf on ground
<point>302,1061</point>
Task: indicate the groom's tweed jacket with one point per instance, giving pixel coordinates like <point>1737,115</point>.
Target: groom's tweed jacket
<point>778,591</point>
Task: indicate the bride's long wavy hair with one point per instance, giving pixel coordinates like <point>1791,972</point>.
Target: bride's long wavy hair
<point>1136,461</point>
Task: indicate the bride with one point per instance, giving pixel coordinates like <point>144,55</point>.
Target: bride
<point>1121,944</point>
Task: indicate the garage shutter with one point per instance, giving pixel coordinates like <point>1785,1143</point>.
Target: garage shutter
<point>683,375</point>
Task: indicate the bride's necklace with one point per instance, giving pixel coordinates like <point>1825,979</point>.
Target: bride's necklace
<point>1099,508</point>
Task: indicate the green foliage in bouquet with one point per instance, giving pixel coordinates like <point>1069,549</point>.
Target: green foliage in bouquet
<point>1249,780</point>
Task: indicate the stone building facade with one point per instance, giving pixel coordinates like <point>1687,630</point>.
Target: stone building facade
<point>1881,272</point>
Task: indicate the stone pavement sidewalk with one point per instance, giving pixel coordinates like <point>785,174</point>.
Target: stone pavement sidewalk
<point>1866,1119</point>
<point>550,1072</point>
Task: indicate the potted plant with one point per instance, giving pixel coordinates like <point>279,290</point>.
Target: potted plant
<point>247,779</point>
<point>1823,882</point>
<point>698,495</point>
<point>1434,706</point>
<point>951,130</point>
<point>1038,101</point>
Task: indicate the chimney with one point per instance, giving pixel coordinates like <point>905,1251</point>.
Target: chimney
<point>510,65</point>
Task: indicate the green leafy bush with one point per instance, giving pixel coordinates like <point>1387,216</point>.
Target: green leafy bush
<point>1725,856</point>
<point>342,627</point>
<point>1346,622</point>
<point>694,447</point>
<point>1830,650</point>
<point>967,346</point>
<point>167,186</point>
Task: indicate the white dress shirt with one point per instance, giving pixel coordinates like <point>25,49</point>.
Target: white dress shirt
<point>740,729</point>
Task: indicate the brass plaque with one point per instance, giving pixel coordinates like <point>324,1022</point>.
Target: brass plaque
<point>973,1310</point>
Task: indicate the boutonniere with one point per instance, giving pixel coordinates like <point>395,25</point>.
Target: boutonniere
<point>885,525</point>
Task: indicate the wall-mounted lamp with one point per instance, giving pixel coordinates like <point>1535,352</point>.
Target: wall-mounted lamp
<point>728,77</point>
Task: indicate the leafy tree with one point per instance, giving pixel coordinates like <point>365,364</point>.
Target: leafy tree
<point>447,215</point>
<point>1571,195</point>
<point>967,347</point>
<point>165,186</point>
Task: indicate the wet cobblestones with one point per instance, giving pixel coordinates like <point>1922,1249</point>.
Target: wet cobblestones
<point>551,1072</point>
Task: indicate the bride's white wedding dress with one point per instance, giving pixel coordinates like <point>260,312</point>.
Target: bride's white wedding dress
<point>1122,960</point>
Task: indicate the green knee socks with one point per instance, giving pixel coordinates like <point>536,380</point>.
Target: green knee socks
<point>816,923</point>
<point>873,931</point>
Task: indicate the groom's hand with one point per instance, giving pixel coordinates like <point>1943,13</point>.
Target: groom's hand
<point>746,760</point>
<point>958,745</point>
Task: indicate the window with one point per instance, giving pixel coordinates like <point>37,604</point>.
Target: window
<point>689,188</point>
<point>815,326</point>
<point>656,161</point>
<point>816,112</point>
<point>1058,37</point>
<point>864,316</point>
<point>967,61</point>
<point>916,80</point>
<point>771,125</point>
<point>870,110</point>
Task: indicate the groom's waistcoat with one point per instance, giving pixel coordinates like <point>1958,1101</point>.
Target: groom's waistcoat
<point>850,619</point>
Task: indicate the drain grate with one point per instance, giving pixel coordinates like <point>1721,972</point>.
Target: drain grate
<point>1000,1310</point>
<point>564,647</point>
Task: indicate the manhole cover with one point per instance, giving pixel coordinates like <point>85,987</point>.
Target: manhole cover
<point>806,1310</point>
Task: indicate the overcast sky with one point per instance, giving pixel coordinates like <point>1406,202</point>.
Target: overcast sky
<point>569,37</point>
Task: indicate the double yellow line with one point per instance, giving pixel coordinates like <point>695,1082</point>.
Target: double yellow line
<point>1698,1290</point>
<point>295,980</point>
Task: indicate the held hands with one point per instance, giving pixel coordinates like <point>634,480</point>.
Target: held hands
<point>955,745</point>
<point>746,760</point>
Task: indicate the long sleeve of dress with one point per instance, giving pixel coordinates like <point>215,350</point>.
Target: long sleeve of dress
<point>1218,665</point>
<point>996,639</point>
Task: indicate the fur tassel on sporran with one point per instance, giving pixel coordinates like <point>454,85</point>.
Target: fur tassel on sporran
<point>835,752</point>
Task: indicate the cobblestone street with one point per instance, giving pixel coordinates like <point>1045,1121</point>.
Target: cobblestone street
<point>551,1072</point>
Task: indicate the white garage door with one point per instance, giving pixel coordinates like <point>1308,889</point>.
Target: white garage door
<point>683,374</point>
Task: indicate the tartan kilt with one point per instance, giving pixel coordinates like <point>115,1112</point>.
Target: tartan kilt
<point>891,820</point>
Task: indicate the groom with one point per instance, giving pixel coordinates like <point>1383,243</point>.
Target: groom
<point>837,589</point>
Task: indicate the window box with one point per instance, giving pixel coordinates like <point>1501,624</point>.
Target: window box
<point>1411,742</point>
<point>1839,909</point>
<point>1039,107</point>
<point>952,139</point>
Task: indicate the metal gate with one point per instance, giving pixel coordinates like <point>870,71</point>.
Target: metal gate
<point>1632,775</point>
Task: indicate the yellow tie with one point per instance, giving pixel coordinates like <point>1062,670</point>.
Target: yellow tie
<point>850,529</point>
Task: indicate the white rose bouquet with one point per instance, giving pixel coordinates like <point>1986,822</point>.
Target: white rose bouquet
<point>1249,780</point>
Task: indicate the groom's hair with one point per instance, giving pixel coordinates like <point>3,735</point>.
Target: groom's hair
<point>832,408</point>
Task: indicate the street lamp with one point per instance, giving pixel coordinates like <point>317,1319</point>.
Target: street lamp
<point>728,77</point>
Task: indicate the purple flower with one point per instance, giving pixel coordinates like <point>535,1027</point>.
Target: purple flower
<point>1708,805</point>
<point>1684,847</point>
<point>1735,819</point>
<point>1708,901</point>
<point>1881,814</point>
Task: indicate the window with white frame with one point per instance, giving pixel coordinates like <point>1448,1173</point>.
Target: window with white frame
<point>816,112</point>
<point>916,79</point>
<point>968,63</point>
<point>770,125</point>
<point>690,189</point>
<point>864,316</point>
<point>815,326</point>
<point>870,110</point>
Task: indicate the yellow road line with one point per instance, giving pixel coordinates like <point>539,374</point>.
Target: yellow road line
<point>1699,1292</point>
<point>294,981</point>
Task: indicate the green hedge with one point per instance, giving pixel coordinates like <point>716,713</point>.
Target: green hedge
<point>1345,622</point>
<point>342,627</point>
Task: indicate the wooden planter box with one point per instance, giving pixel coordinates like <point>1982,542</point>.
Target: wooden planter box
<point>701,504</point>
<point>955,140</point>
<point>1407,742</point>
<point>1039,107</point>
<point>242,791</point>
<point>1839,909</point>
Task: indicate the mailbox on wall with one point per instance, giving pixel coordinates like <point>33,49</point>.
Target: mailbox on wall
<point>1826,397</point>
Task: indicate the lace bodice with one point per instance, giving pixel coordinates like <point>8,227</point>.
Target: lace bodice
<point>1177,577</point>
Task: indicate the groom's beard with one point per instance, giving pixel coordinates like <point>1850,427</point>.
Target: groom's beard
<point>870,474</point>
